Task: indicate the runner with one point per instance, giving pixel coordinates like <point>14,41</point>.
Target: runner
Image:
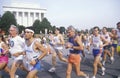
<point>32,54</point>
<point>87,42</point>
<point>97,44</point>
<point>107,47</point>
<point>16,49</point>
<point>82,37</point>
<point>118,34</point>
<point>76,47</point>
<point>3,55</point>
<point>114,42</point>
<point>57,43</point>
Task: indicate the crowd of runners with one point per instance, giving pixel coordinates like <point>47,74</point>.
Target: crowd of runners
<point>33,49</point>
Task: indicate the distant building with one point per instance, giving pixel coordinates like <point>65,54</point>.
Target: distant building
<point>25,14</point>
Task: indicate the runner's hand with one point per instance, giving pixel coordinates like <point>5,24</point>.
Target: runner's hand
<point>33,62</point>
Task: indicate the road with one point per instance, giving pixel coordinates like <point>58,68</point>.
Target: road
<point>112,70</point>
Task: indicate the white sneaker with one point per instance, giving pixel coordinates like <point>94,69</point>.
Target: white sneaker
<point>112,59</point>
<point>16,76</point>
<point>103,71</point>
<point>93,77</point>
<point>52,69</point>
<point>103,63</point>
<point>88,52</point>
<point>87,76</point>
<point>101,58</point>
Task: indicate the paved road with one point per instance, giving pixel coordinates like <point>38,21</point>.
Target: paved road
<point>112,70</point>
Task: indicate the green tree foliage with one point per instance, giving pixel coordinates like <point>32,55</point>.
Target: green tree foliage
<point>37,26</point>
<point>45,24</point>
<point>21,28</point>
<point>6,20</point>
<point>62,29</point>
<point>53,29</point>
<point>41,26</point>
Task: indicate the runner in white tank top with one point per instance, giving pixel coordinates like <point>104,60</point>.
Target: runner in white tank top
<point>97,44</point>
<point>58,42</point>
<point>107,47</point>
<point>32,54</point>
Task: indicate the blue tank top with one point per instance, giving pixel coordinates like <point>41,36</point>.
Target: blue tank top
<point>74,51</point>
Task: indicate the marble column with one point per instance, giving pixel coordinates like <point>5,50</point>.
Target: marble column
<point>28,18</point>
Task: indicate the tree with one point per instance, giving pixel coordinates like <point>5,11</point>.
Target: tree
<point>0,17</point>
<point>53,29</point>
<point>37,26</point>
<point>45,24</point>
<point>21,28</point>
<point>62,29</point>
<point>6,20</point>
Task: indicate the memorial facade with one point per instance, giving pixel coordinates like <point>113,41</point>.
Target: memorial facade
<point>26,14</point>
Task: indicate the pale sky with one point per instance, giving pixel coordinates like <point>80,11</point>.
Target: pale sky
<point>82,14</point>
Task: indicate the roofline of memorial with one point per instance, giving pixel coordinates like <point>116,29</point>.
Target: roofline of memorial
<point>23,8</point>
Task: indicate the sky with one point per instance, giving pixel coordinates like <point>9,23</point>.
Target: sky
<point>82,14</point>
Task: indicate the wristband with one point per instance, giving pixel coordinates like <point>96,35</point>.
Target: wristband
<point>72,46</point>
<point>36,60</point>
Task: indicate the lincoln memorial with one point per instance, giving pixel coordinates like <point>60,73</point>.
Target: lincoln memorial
<point>25,14</point>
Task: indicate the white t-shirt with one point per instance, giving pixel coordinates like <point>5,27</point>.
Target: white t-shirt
<point>16,45</point>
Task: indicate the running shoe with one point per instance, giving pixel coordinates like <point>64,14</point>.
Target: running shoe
<point>52,69</point>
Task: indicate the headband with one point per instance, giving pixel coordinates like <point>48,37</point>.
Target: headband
<point>29,30</point>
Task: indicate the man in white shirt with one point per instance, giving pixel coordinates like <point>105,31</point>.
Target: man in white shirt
<point>16,44</point>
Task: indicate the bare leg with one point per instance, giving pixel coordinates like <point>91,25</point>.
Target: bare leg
<point>2,65</point>
<point>113,50</point>
<point>69,69</point>
<point>54,59</point>
<point>32,74</point>
<point>78,72</point>
<point>95,64</point>
<point>13,70</point>
<point>60,55</point>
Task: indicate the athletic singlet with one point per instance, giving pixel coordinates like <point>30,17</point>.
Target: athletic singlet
<point>30,53</point>
<point>107,37</point>
<point>86,42</point>
<point>96,42</point>
<point>71,40</point>
<point>57,40</point>
<point>118,33</point>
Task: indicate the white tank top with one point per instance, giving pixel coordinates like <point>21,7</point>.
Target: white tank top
<point>96,42</point>
<point>107,37</point>
<point>118,33</point>
<point>57,40</point>
<point>30,53</point>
